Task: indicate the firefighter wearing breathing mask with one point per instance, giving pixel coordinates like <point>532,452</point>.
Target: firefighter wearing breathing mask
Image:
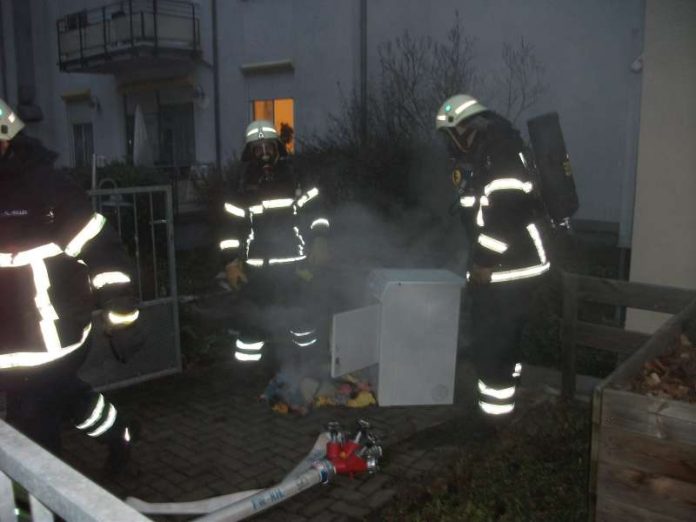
<point>58,259</point>
<point>505,222</point>
<point>273,242</point>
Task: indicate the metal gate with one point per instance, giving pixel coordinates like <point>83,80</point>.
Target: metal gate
<point>144,218</point>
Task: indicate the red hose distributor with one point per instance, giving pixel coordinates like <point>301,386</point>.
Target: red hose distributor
<point>351,456</point>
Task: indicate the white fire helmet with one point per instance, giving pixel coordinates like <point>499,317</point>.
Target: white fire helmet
<point>454,117</point>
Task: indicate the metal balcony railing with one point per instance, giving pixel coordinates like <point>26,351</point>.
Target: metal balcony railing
<point>91,37</point>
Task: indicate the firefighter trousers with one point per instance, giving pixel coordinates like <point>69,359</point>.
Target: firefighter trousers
<point>499,313</point>
<point>41,399</point>
<point>283,304</point>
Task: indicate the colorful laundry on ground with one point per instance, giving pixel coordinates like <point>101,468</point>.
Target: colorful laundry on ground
<point>299,395</point>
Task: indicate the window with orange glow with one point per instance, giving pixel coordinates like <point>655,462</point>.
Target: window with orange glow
<point>281,112</point>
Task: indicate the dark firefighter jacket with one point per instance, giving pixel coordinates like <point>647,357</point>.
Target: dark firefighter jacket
<point>501,208</point>
<point>271,222</point>
<point>58,259</point>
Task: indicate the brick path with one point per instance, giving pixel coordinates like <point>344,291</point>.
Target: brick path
<point>205,434</point>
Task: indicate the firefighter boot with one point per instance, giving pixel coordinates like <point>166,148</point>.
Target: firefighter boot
<point>120,447</point>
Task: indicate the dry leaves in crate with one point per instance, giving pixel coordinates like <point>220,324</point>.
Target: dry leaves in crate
<point>670,376</point>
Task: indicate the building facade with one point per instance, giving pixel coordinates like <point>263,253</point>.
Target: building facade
<point>199,71</point>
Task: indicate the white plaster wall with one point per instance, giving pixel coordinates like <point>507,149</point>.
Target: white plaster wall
<point>664,237</point>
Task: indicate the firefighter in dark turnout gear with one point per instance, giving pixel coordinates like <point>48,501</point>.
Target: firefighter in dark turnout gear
<point>505,221</point>
<point>274,236</point>
<point>58,259</point>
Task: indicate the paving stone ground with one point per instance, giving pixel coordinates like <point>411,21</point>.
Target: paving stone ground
<point>205,433</point>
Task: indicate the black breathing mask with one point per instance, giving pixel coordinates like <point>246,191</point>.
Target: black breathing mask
<point>461,175</point>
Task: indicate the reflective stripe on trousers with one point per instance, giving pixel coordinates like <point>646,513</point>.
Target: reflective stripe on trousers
<point>496,400</point>
<point>303,337</point>
<point>248,351</point>
<point>100,419</point>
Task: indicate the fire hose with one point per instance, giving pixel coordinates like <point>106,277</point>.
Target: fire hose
<point>334,453</point>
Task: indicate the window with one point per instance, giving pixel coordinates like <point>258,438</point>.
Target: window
<point>281,112</point>
<point>170,133</point>
<point>152,134</point>
<point>83,144</point>
<point>177,144</point>
<point>76,20</point>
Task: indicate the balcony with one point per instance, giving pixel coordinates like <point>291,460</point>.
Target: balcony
<point>129,34</point>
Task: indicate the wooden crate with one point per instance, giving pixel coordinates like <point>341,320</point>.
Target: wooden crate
<point>643,453</point>
<point>576,334</point>
<point>643,449</point>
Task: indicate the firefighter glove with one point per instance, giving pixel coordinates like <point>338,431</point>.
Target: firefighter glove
<point>319,253</point>
<point>305,275</point>
<point>234,272</point>
<point>126,342</point>
<point>480,275</point>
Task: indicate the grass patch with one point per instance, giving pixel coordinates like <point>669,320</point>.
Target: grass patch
<point>535,469</point>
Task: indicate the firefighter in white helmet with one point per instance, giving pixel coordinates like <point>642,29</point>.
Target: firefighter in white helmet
<point>505,221</point>
<point>273,243</point>
<point>58,259</point>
